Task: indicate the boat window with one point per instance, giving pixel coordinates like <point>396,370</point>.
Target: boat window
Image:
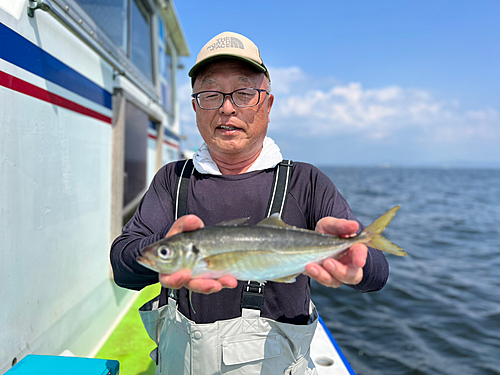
<point>136,156</point>
<point>128,24</point>
<point>166,82</point>
<point>111,16</point>
<point>140,37</point>
<point>166,53</point>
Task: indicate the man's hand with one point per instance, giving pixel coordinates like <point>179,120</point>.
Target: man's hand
<point>182,278</point>
<point>349,268</point>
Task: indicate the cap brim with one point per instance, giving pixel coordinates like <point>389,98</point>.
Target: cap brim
<point>195,70</point>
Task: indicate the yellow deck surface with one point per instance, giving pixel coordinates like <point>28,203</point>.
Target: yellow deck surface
<point>129,343</point>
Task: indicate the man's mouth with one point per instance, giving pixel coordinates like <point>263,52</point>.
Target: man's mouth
<point>227,127</point>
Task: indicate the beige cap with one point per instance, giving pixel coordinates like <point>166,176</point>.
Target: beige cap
<point>229,45</point>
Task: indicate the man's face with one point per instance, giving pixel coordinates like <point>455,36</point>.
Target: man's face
<point>232,133</point>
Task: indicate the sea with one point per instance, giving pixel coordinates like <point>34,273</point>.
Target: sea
<point>439,312</point>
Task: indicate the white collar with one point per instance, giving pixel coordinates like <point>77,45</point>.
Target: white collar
<point>269,157</point>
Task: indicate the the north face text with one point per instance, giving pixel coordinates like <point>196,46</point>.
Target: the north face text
<point>226,43</point>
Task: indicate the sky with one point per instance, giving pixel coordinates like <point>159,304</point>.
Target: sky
<point>367,83</point>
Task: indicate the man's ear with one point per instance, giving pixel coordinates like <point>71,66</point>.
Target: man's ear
<point>270,103</point>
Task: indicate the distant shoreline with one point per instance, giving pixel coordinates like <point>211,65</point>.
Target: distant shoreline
<point>451,166</point>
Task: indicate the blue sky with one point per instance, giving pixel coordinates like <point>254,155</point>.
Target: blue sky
<point>368,82</point>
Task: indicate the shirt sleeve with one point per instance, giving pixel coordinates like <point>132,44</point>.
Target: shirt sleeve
<point>150,223</point>
<point>325,200</point>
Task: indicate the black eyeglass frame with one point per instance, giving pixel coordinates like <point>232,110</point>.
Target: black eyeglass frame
<point>224,94</point>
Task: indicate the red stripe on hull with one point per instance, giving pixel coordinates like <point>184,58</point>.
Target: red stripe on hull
<point>164,141</point>
<point>27,88</point>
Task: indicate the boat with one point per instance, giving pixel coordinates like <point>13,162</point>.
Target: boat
<point>327,354</point>
<point>89,113</point>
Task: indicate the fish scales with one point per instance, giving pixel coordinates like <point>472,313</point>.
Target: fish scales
<point>271,250</point>
<point>253,254</point>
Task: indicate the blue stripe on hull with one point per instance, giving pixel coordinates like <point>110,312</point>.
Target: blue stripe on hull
<point>19,51</point>
<point>169,134</point>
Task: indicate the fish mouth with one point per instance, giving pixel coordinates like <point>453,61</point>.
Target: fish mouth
<point>148,263</point>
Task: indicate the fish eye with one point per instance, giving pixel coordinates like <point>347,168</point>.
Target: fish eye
<point>163,252</point>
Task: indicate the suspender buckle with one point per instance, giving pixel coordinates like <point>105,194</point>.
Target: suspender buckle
<point>253,295</point>
<point>286,163</point>
<point>254,287</point>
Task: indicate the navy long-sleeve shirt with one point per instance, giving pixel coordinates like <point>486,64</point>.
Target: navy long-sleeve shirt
<point>220,198</point>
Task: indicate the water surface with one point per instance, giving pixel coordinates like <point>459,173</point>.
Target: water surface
<point>440,310</point>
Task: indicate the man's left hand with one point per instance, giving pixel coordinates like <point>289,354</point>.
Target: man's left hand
<point>349,268</point>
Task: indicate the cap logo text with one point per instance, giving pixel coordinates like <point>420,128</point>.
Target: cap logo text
<point>227,42</point>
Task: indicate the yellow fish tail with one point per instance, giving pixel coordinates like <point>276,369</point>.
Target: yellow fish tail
<point>374,230</point>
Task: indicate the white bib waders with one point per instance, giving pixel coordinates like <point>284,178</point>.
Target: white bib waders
<point>246,345</point>
<point>240,346</point>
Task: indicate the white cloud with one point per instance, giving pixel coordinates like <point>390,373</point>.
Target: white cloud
<point>488,115</point>
<point>282,79</point>
<point>375,113</point>
<point>385,94</point>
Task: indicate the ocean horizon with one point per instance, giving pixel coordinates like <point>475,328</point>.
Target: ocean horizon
<point>387,165</point>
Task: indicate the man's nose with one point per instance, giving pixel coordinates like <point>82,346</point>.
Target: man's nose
<point>228,105</point>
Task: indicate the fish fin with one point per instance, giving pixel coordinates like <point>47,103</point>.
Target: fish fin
<point>287,279</point>
<point>383,221</point>
<point>376,241</point>
<point>233,223</point>
<point>383,244</point>
<point>273,221</point>
<point>190,300</point>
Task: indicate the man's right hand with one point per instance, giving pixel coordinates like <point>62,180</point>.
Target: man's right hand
<point>183,278</point>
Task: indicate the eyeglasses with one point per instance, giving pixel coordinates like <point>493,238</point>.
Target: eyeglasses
<point>242,98</point>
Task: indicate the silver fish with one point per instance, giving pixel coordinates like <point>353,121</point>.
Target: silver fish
<point>268,251</point>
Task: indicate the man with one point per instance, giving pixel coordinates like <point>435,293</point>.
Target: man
<point>232,179</point>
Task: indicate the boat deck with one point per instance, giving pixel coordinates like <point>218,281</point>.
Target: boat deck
<point>129,343</point>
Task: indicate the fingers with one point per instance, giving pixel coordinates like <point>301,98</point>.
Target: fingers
<point>185,223</point>
<point>228,282</point>
<point>337,227</point>
<point>322,275</point>
<point>183,278</point>
<point>347,270</point>
<point>208,286</point>
<point>358,254</point>
<point>175,280</point>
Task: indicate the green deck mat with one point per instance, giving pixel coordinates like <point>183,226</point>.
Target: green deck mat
<point>129,343</point>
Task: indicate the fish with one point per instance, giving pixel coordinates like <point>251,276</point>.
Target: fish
<point>268,251</point>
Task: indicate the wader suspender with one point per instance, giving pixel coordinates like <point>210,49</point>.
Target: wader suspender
<point>253,291</point>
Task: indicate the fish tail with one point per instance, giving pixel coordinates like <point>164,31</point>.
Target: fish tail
<point>376,240</point>
<point>381,243</point>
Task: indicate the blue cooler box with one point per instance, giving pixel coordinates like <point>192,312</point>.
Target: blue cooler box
<point>57,365</point>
